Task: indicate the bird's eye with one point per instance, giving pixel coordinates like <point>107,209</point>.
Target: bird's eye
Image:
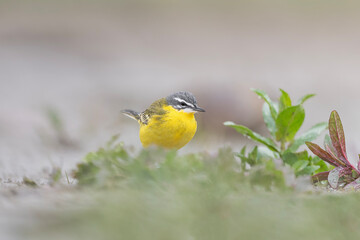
<point>183,104</point>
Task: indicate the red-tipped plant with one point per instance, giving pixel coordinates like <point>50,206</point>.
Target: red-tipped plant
<point>344,172</point>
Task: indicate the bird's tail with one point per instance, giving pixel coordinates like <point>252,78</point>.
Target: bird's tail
<point>131,114</point>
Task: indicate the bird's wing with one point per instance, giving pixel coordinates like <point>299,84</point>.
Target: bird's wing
<point>156,108</point>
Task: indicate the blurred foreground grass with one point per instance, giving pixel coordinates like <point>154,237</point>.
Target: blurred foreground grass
<point>187,211</point>
<point>160,195</point>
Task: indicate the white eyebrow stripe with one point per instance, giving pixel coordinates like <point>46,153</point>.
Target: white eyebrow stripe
<point>182,100</point>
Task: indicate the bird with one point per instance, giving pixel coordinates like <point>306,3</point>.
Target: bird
<point>168,122</point>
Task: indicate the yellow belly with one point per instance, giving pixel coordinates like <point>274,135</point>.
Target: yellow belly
<point>171,130</point>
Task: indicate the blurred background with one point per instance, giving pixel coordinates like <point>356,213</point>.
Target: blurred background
<point>67,68</point>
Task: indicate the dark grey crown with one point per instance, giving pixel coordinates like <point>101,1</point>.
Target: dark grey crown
<point>183,100</point>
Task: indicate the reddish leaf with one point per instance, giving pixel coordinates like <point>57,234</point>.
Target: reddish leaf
<point>320,176</point>
<point>337,137</point>
<point>318,151</point>
<point>328,146</point>
<point>332,153</point>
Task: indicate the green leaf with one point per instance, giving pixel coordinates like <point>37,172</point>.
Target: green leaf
<point>285,100</point>
<point>268,119</point>
<point>243,158</point>
<point>291,158</point>
<point>308,136</point>
<point>289,122</point>
<point>253,155</point>
<point>267,99</point>
<point>322,165</point>
<point>253,135</point>
<point>308,170</point>
<point>266,153</point>
<point>304,98</point>
<point>302,155</point>
<point>243,151</point>
<point>300,165</point>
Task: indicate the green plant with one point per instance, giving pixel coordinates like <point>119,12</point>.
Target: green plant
<point>283,120</point>
<point>345,172</point>
<point>260,167</point>
<point>114,166</point>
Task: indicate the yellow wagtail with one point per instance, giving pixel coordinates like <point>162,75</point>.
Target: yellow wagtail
<point>168,122</point>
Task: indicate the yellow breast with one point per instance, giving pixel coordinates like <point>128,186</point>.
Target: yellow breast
<point>171,130</point>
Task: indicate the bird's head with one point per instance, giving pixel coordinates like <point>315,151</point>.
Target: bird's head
<point>184,101</point>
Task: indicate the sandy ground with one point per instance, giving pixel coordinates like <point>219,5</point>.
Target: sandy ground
<point>88,61</point>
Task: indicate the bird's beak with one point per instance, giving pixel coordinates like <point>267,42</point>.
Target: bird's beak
<point>199,109</point>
